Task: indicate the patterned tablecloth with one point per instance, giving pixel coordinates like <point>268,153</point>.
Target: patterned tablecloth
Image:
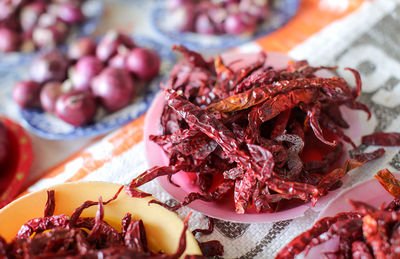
<point>348,33</point>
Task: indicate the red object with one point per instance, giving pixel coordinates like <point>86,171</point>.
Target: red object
<point>20,159</point>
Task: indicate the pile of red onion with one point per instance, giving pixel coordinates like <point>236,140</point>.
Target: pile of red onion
<point>237,17</point>
<point>29,24</point>
<point>75,84</point>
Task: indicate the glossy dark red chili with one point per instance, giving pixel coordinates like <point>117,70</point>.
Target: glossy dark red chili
<point>56,236</point>
<point>247,131</point>
<point>368,232</point>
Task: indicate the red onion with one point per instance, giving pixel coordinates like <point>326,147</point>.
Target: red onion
<point>7,9</point>
<point>77,108</point>
<point>240,23</point>
<point>49,94</point>
<point>204,25</point>
<point>47,19</point>
<point>182,18</point>
<point>50,36</point>
<point>174,4</point>
<point>84,70</point>
<point>50,31</point>
<point>75,2</point>
<point>26,94</point>
<point>114,87</point>
<point>80,48</point>
<point>232,8</point>
<point>119,60</point>
<point>259,9</point>
<point>3,146</point>
<point>49,66</point>
<point>30,14</point>
<point>218,16</point>
<point>232,1</point>
<point>70,13</point>
<point>11,23</point>
<point>9,40</point>
<point>108,46</point>
<point>144,63</point>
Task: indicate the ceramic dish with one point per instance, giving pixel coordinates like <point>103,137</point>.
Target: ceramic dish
<point>370,192</point>
<point>19,162</point>
<point>50,127</point>
<point>283,12</point>
<point>225,209</point>
<point>163,228</point>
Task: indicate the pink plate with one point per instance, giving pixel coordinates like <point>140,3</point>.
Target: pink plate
<point>370,192</point>
<point>224,209</point>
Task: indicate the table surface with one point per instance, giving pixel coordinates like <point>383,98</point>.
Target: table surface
<point>359,34</point>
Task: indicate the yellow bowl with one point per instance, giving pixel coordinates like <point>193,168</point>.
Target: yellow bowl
<point>163,227</point>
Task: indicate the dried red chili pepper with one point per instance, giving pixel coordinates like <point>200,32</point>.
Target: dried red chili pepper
<point>365,157</point>
<point>206,231</point>
<point>50,204</point>
<point>249,126</point>
<point>389,182</point>
<point>65,236</point>
<point>304,241</point>
<point>382,139</point>
<point>368,232</point>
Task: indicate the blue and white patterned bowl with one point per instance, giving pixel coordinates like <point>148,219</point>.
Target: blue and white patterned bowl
<point>282,12</point>
<point>50,127</point>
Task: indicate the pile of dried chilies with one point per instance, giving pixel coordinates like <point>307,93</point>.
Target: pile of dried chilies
<point>244,131</point>
<point>61,236</point>
<point>367,232</point>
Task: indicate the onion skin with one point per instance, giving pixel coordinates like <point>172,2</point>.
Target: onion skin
<point>80,48</point>
<point>183,18</point>
<point>143,63</point>
<point>240,23</point>
<point>108,46</point>
<point>26,94</point>
<point>114,87</point>
<point>30,13</point>
<point>49,95</point>
<point>70,13</point>
<point>7,9</point>
<point>49,36</point>
<point>84,71</point>
<point>120,60</point>
<point>204,25</point>
<point>77,108</point>
<point>49,66</point>
<point>9,40</point>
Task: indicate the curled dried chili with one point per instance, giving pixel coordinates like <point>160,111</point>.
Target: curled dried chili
<point>250,127</point>
<point>57,236</point>
<point>366,232</point>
